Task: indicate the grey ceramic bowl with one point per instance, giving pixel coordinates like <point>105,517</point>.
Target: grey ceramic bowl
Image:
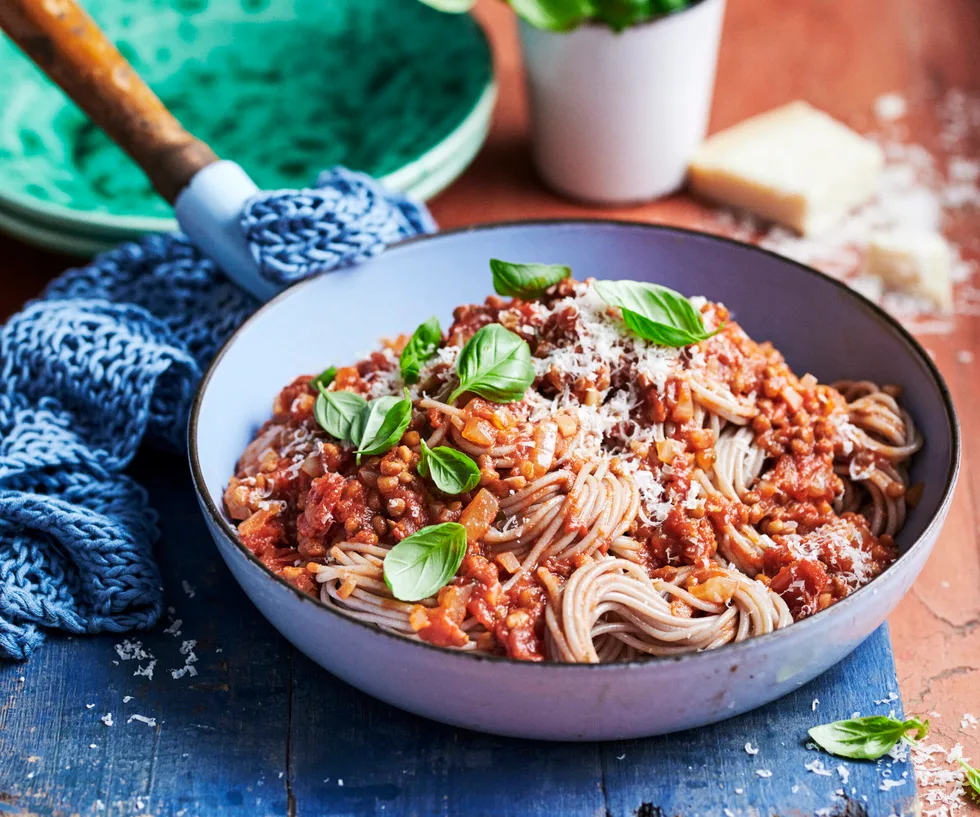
<point>820,325</point>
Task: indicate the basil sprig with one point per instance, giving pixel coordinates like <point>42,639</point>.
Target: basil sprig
<point>324,379</point>
<point>563,15</point>
<point>422,564</point>
<point>336,412</point>
<point>371,427</point>
<point>422,345</point>
<point>525,281</point>
<point>972,776</point>
<point>866,738</point>
<point>381,424</point>
<point>495,364</point>
<point>655,313</point>
<point>451,470</point>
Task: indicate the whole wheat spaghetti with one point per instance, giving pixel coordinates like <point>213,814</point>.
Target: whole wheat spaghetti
<point>638,500</point>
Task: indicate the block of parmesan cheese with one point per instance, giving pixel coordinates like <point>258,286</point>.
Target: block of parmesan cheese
<point>794,165</point>
<point>917,262</point>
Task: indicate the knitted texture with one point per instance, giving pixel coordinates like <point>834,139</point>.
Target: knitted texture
<point>109,358</point>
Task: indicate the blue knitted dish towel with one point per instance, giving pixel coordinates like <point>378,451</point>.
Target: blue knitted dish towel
<point>109,357</point>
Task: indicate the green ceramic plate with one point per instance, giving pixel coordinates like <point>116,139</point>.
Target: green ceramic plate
<point>283,87</point>
<point>52,238</point>
<point>422,179</point>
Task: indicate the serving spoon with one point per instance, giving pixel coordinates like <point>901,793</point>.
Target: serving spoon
<point>207,193</point>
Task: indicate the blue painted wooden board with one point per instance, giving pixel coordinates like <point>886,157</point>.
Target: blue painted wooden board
<point>262,730</point>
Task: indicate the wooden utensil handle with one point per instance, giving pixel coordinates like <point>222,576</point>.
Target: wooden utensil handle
<point>70,48</point>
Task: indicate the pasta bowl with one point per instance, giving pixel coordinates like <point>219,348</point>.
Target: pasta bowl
<point>819,325</point>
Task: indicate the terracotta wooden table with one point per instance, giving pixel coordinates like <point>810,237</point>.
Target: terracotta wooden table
<point>839,55</point>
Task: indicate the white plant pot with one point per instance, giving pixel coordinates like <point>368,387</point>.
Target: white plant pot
<point>617,117</point>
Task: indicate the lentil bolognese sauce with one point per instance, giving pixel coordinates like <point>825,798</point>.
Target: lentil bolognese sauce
<point>588,472</point>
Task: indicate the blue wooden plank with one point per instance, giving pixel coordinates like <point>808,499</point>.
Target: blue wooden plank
<point>219,743</point>
<point>261,730</point>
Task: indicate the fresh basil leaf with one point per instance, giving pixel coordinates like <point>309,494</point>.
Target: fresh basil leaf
<point>972,776</point>
<point>667,6</point>
<point>526,281</point>
<point>452,6</point>
<point>381,424</point>
<point>621,14</point>
<point>553,15</point>
<point>324,379</point>
<point>420,347</point>
<point>655,313</point>
<point>495,364</point>
<point>422,564</point>
<point>337,411</point>
<point>865,738</point>
<point>451,470</point>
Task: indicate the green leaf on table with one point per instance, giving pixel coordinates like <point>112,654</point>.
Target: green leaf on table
<point>422,564</point>
<point>655,313</point>
<point>420,347</point>
<point>452,471</point>
<point>866,738</point>
<point>972,777</point>
<point>525,281</point>
<point>495,364</point>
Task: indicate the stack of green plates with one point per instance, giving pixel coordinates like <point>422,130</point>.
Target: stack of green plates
<point>285,88</point>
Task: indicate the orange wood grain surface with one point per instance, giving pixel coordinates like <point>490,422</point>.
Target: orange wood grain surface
<point>839,55</point>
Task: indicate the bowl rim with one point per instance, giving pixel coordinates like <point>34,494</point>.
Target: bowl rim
<point>878,314</point>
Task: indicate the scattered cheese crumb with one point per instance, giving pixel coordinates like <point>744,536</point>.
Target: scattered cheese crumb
<point>844,773</point>
<point>813,704</point>
<point>147,671</point>
<point>739,791</point>
<point>92,746</point>
<point>90,706</point>
<point>750,750</point>
<point>888,699</point>
<point>890,784</point>
<point>107,719</point>
<point>890,107</point>
<point>763,772</point>
<point>340,782</point>
<point>190,658</point>
<point>816,766</point>
<point>190,591</point>
<point>142,719</point>
<point>127,698</point>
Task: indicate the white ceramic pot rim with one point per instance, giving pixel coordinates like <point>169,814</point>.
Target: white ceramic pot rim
<point>733,649</point>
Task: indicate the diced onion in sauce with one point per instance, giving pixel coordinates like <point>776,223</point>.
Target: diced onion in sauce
<point>668,449</point>
<point>508,561</point>
<point>684,410</point>
<point>479,431</point>
<point>792,398</point>
<point>479,515</point>
<point>545,440</point>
